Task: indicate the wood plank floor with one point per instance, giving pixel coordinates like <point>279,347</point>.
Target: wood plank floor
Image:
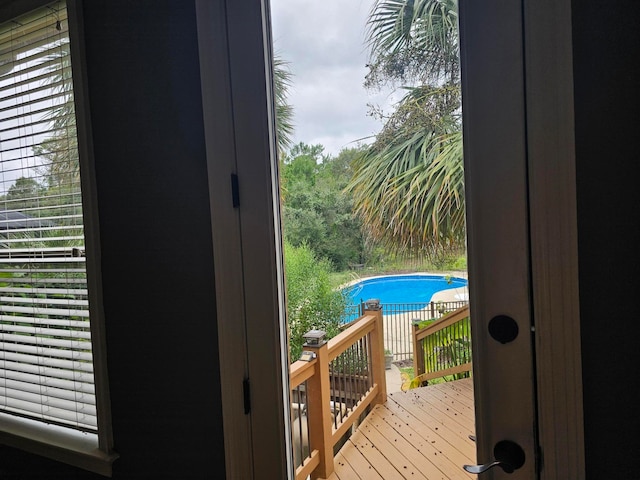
<point>422,434</point>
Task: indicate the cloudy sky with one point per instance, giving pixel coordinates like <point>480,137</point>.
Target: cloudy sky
<point>323,41</point>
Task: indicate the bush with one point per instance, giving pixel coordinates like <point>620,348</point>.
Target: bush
<point>312,303</point>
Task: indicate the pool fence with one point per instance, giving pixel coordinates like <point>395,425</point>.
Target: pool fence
<point>398,319</point>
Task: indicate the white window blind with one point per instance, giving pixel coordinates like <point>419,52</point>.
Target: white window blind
<point>46,369</point>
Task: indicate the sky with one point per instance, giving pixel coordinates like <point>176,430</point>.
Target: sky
<point>323,41</point>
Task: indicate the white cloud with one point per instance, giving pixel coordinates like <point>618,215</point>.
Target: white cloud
<point>324,43</point>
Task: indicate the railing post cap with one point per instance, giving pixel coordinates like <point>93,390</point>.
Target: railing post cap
<point>314,338</point>
<point>372,304</point>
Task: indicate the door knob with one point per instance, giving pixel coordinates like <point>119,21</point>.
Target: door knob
<point>508,455</point>
<point>503,329</point>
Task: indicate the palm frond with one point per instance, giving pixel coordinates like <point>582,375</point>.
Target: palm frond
<point>414,38</point>
<point>408,186</point>
<point>283,78</point>
<point>411,195</point>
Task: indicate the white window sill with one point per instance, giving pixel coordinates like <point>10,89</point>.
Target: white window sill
<point>57,443</point>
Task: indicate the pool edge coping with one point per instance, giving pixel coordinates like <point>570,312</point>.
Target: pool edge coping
<point>447,293</point>
<point>461,274</point>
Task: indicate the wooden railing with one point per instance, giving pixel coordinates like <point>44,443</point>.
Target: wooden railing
<point>443,347</point>
<point>398,318</point>
<point>331,392</point>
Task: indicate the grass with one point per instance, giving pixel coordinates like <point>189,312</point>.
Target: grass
<point>390,265</point>
<point>338,279</point>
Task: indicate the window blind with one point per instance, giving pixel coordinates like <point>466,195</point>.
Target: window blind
<point>46,370</point>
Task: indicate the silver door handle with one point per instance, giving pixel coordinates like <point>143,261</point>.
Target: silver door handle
<point>508,455</point>
<point>477,469</point>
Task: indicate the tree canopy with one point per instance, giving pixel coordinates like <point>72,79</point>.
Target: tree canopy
<point>317,211</point>
<point>408,186</point>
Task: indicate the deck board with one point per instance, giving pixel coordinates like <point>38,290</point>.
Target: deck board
<point>378,435</point>
<point>359,464</point>
<point>419,434</point>
<point>430,451</point>
<point>343,469</point>
<point>377,458</point>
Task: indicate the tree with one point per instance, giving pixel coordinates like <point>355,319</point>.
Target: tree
<point>414,41</point>
<point>60,165</point>
<point>316,209</point>
<point>59,152</point>
<point>301,164</point>
<point>408,186</point>
<point>24,193</point>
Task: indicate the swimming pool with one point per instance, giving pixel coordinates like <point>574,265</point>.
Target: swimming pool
<point>415,288</point>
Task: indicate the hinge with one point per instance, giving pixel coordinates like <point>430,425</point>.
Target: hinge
<point>235,191</point>
<point>246,389</point>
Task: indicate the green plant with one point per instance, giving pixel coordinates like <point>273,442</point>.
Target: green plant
<point>454,351</point>
<point>406,372</point>
<point>312,302</point>
<point>425,323</point>
<point>458,263</point>
<point>450,347</point>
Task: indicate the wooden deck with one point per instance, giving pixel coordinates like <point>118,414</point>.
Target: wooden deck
<point>420,434</point>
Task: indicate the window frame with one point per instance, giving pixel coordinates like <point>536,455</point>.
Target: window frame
<point>90,452</point>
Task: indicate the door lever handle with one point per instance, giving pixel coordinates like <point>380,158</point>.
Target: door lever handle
<point>477,469</point>
<point>508,455</point>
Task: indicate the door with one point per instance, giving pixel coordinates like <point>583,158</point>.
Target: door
<point>522,243</point>
<point>507,236</point>
<point>494,132</point>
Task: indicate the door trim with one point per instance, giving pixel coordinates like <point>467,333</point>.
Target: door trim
<point>226,234</point>
<point>554,237</point>
<point>235,55</point>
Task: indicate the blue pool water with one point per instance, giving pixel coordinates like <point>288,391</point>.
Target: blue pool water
<point>402,288</point>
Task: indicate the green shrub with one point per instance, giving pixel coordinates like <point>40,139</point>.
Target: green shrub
<point>312,303</point>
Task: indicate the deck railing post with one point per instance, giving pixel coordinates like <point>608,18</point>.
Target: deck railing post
<point>377,351</point>
<point>319,411</point>
<point>418,351</point>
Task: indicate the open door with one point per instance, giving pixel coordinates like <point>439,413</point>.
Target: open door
<point>513,167</point>
<point>522,243</point>
<point>494,131</point>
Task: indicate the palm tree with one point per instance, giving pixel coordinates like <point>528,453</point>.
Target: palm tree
<point>282,79</point>
<point>408,186</point>
<point>414,40</point>
<point>63,119</point>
